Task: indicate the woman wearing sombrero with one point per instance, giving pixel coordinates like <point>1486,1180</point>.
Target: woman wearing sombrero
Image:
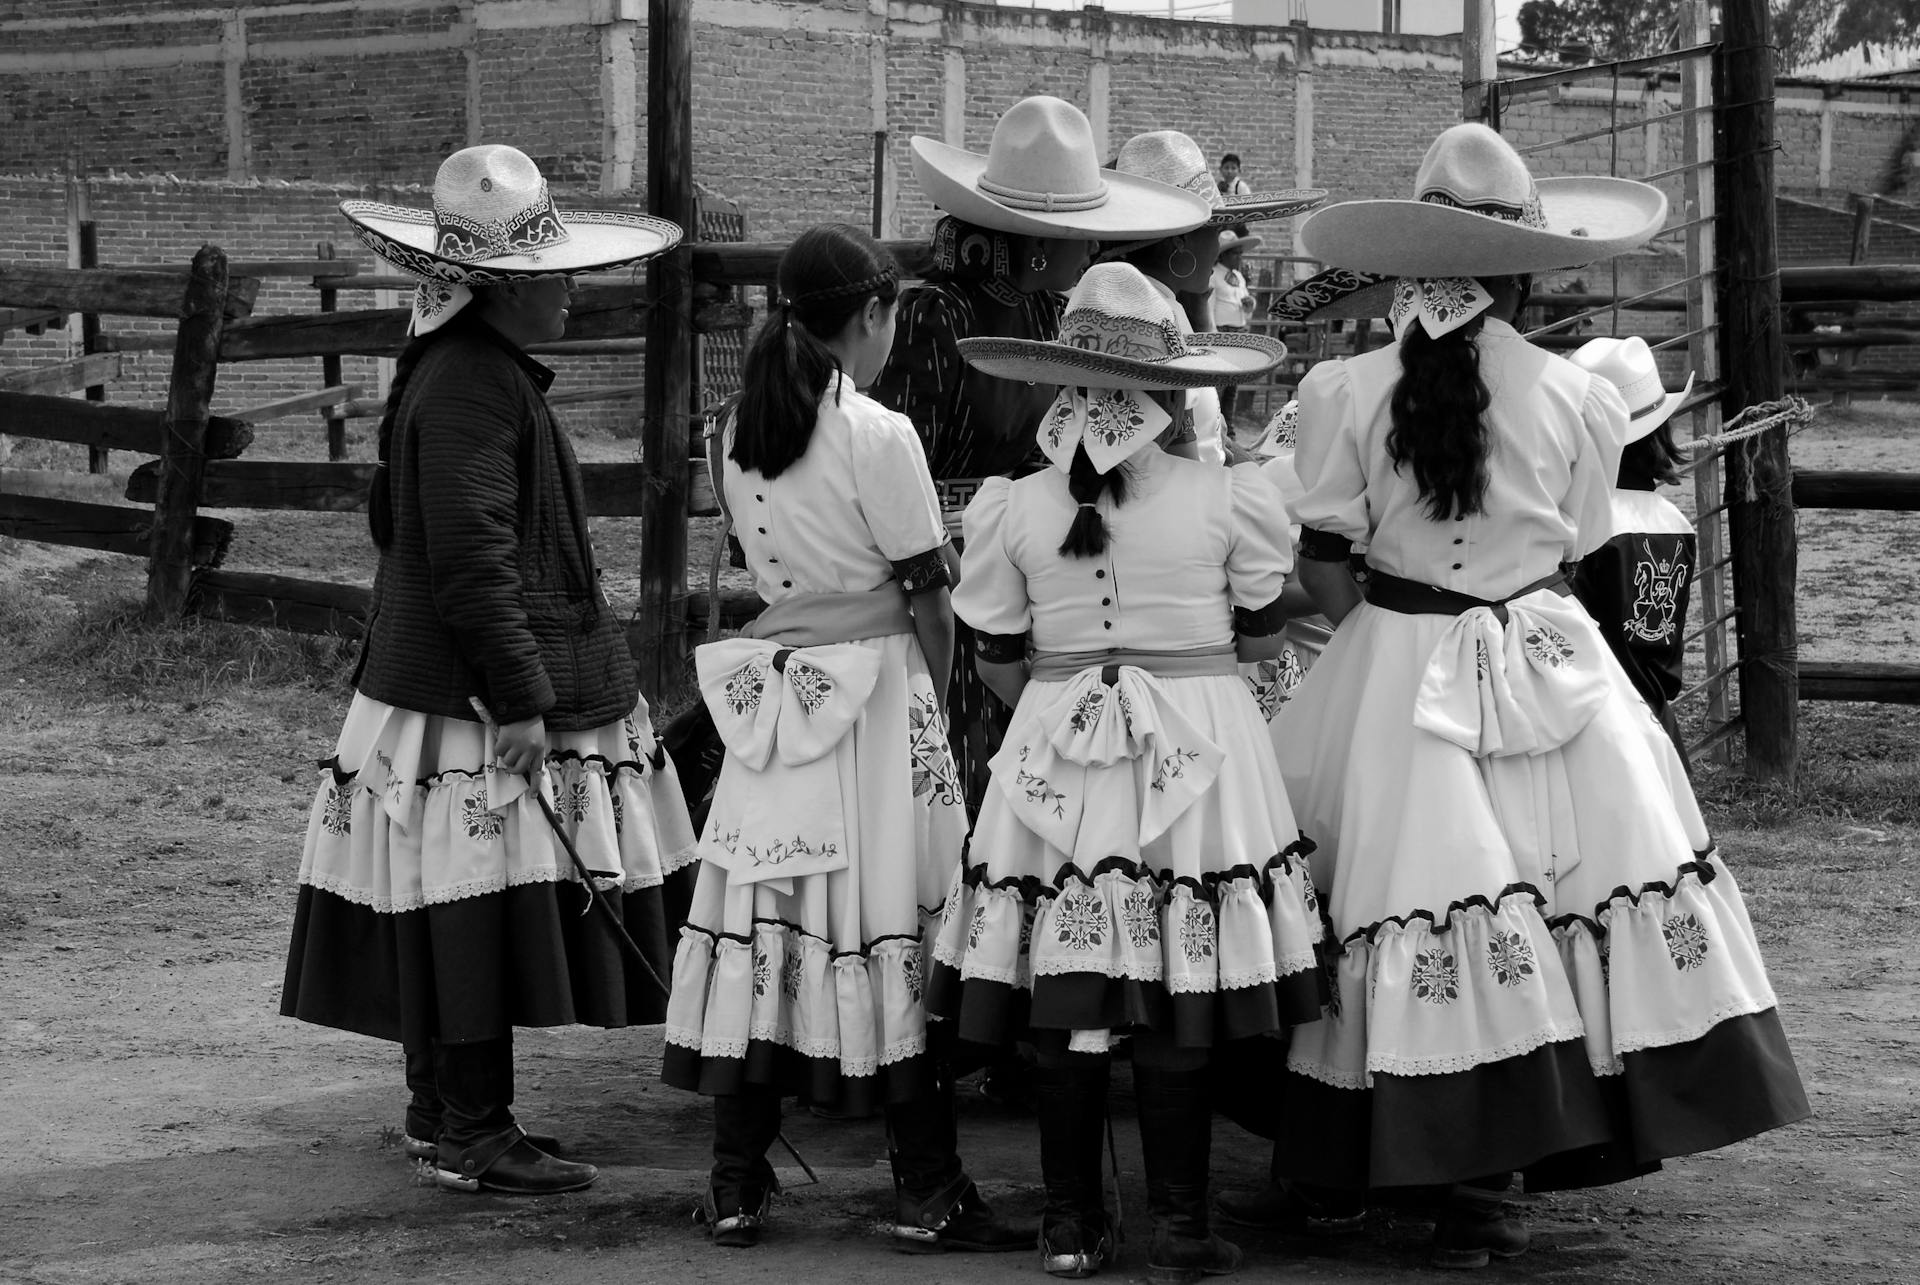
<point>438,908</point>
<point>1182,264</point>
<point>1135,869</point>
<point>1017,226</point>
<point>1544,965</point>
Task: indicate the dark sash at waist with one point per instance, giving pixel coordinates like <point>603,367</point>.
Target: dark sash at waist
<point>1196,662</point>
<point>820,619</point>
<point>1417,598</point>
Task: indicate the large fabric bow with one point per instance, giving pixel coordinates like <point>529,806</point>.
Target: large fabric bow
<point>1525,686</point>
<point>1112,423</point>
<point>434,305</point>
<point>1440,304</point>
<point>1106,767</point>
<point>783,713</point>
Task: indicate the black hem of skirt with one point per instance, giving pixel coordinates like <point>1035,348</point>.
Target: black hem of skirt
<point>790,1073</point>
<point>475,968</point>
<point>989,1012</point>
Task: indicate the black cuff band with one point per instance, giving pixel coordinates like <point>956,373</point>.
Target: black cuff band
<point>1259,622</point>
<point>1324,546</point>
<point>1000,649</point>
<point>923,572</point>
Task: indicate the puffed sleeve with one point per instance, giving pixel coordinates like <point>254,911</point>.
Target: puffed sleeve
<point>1333,474</point>
<point>1259,545</point>
<point>895,491</point>
<point>1596,464</point>
<point>992,596</point>
<point>924,371</point>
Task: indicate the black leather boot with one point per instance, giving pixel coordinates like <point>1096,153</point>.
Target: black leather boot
<point>740,1189</point>
<point>1076,1236</point>
<point>509,1164</point>
<point>421,1140</point>
<point>1176,1141</point>
<point>1476,1226</point>
<point>936,1206</point>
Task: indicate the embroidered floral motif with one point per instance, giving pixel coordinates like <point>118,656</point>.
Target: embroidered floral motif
<point>1136,915</point>
<point>762,974</point>
<point>781,851</point>
<point>744,688</point>
<point>1058,422</point>
<point>619,809</point>
<point>1310,895</point>
<point>1087,709</point>
<point>1172,768</point>
<point>812,687</point>
<point>633,739</point>
<point>1284,430</point>
<point>1482,664</point>
<point>1125,703</point>
<point>1686,941</point>
<point>1080,918</point>
<point>1026,930</point>
<point>910,969</point>
<point>1113,417</point>
<point>977,927</point>
<point>933,768</point>
<point>1510,956</point>
<point>792,969</point>
<point>1040,792</point>
<point>337,816</point>
<point>480,823</point>
<point>1196,932</point>
<point>1548,646</point>
<point>1436,977</point>
<point>575,801</point>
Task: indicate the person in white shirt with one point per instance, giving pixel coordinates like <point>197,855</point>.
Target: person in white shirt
<point>1233,300</point>
<point>1230,182</point>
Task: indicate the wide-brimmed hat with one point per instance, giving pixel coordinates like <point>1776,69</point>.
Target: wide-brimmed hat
<point>1119,331</point>
<point>1477,212</point>
<point>1041,176</point>
<point>1629,365</point>
<point>493,220</point>
<point>1170,157</point>
<point>1231,240</point>
<point>1334,294</point>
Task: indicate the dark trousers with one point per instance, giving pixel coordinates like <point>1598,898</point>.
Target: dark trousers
<point>925,1150</point>
<point>462,1093</point>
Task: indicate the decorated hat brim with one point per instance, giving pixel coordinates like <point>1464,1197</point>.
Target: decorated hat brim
<point>1134,208</point>
<point>1335,294</point>
<point>597,241</point>
<point>1213,358</point>
<point>1266,205</point>
<point>1587,220</point>
<point>1662,411</point>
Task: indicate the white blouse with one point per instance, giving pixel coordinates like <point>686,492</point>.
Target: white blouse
<point>1555,433</point>
<point>1190,542</point>
<point>837,518</point>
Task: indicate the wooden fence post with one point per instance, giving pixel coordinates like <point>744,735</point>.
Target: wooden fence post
<point>1479,62</point>
<point>330,368</point>
<point>667,405</point>
<point>1753,359</point>
<point>83,251</point>
<point>196,360</point>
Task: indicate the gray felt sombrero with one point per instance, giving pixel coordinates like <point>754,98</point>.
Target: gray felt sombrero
<point>1170,157</point>
<point>1119,331</point>
<point>1477,212</point>
<point>1041,177</point>
<point>493,220</point>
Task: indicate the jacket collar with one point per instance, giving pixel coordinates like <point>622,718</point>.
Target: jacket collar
<point>542,376</point>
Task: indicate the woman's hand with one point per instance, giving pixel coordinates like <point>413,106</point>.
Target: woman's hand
<point>521,747</point>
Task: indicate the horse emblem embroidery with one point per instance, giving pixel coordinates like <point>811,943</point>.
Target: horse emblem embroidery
<point>1657,583</point>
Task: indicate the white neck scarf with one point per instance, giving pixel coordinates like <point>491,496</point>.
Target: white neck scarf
<point>1112,423</point>
<point>1440,304</point>
<point>434,305</point>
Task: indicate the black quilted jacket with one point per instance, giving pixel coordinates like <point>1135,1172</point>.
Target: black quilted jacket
<point>488,588</point>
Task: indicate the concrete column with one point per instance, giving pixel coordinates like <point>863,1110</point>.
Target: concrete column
<point>1302,119</point>
<point>1099,82</point>
<point>889,182</point>
<point>617,22</point>
<point>233,58</point>
<point>953,117</point>
<point>1826,144</point>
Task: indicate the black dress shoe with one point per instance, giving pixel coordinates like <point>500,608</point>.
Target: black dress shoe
<point>427,1149</point>
<point>509,1164</point>
<point>957,1218</point>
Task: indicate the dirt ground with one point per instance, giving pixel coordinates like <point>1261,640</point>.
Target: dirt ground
<point>163,1124</point>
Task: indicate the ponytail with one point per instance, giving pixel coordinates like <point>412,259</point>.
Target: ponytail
<point>825,279</point>
<point>1087,536</point>
<point>1438,430</point>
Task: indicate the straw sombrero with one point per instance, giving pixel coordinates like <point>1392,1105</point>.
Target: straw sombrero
<point>1041,177</point>
<point>1119,331</point>
<point>1628,364</point>
<point>493,220</point>
<point>1477,212</point>
<point>1170,157</point>
<point>1231,240</point>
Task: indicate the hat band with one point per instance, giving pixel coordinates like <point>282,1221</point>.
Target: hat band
<point>460,239</point>
<point>1134,338</point>
<point>1646,392</point>
<point>1528,214</point>
<point>1049,202</point>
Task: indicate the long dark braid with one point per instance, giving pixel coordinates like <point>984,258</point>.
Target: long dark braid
<point>1087,535</point>
<point>1439,429</point>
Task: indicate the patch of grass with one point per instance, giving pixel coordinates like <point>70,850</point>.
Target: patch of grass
<point>1858,763</point>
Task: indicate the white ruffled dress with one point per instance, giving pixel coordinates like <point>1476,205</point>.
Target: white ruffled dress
<point>1136,862</point>
<point>1543,962</point>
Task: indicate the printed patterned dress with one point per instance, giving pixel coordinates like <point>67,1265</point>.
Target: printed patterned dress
<point>1544,962</point>
<point>1136,862</point>
<point>802,965</point>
